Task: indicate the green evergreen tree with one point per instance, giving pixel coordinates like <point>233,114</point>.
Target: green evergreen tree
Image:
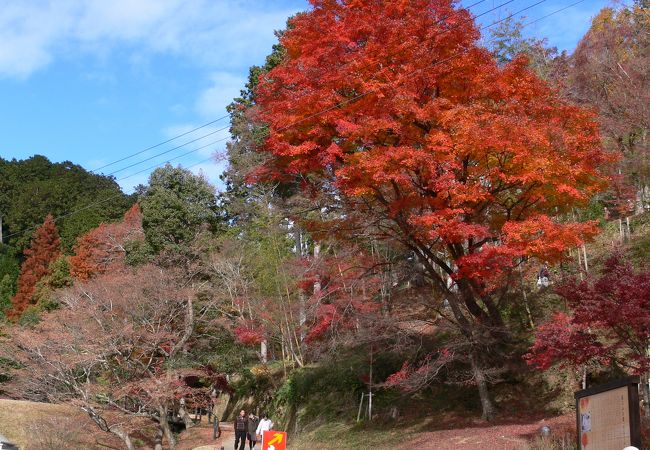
<point>176,206</point>
<point>7,290</point>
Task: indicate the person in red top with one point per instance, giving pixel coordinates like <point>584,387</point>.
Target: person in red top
<point>241,429</point>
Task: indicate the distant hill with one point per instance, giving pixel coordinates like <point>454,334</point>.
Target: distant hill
<point>31,189</point>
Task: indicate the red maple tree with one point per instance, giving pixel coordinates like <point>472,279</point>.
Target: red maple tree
<point>43,251</point>
<point>416,134</point>
<point>103,248</point>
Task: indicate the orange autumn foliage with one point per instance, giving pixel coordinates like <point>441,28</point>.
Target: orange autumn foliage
<point>398,112</point>
<point>45,248</point>
<point>103,248</point>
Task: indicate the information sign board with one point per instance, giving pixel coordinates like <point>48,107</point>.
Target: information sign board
<point>607,416</point>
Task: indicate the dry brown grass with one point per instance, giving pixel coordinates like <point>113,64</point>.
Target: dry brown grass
<point>34,426</point>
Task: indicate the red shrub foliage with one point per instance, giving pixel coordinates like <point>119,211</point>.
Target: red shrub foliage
<point>249,333</point>
<point>609,321</point>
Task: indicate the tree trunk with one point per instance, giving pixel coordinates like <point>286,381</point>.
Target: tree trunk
<point>467,325</point>
<point>479,376</point>
<point>645,390</point>
<point>185,415</point>
<point>264,351</point>
<point>157,443</point>
<point>188,328</point>
<point>621,232</point>
<point>523,291</point>
<point>126,438</point>
<point>165,428</point>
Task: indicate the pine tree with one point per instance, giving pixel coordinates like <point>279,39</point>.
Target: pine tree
<point>44,249</point>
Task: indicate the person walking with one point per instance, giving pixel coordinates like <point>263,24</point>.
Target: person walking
<point>253,422</point>
<point>265,425</point>
<point>241,429</point>
<point>543,277</point>
<point>211,404</point>
<point>216,429</point>
<point>214,411</point>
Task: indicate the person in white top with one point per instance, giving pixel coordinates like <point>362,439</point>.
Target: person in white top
<point>265,425</point>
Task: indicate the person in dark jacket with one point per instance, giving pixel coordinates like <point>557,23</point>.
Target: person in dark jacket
<point>241,429</point>
<point>214,412</point>
<point>216,429</point>
<point>253,422</point>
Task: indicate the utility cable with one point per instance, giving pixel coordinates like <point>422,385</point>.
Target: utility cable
<point>162,143</point>
<point>338,105</point>
<point>437,22</point>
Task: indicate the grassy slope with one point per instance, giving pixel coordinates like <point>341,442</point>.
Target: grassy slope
<point>19,420</point>
<point>15,415</point>
<point>465,434</point>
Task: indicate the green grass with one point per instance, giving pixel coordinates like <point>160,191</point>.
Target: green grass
<point>342,436</point>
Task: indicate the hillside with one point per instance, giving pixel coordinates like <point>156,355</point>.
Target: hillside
<point>420,240</point>
<point>31,189</point>
<point>43,426</point>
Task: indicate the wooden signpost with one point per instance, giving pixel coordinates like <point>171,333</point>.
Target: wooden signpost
<point>274,440</point>
<point>608,417</point>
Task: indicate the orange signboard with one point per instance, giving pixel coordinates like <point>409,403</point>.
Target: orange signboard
<point>274,440</point>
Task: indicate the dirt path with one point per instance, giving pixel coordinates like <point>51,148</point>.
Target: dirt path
<point>200,438</point>
<point>513,435</point>
<point>501,436</point>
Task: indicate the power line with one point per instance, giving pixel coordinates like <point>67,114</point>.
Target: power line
<point>437,22</point>
<point>172,149</point>
<point>162,143</point>
<point>167,161</point>
<point>338,105</point>
<point>552,13</point>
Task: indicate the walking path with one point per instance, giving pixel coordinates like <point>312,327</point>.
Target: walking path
<point>200,438</point>
<point>502,435</point>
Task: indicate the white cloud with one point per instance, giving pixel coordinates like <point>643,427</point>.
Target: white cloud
<point>219,39</point>
<point>211,33</point>
<point>212,101</point>
<point>210,104</point>
<point>211,170</point>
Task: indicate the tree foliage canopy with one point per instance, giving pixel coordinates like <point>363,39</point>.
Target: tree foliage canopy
<point>607,321</point>
<point>176,204</point>
<point>33,188</point>
<point>464,157</point>
<point>43,251</point>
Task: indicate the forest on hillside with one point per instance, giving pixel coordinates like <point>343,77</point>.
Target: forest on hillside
<point>450,221</point>
<point>33,188</point>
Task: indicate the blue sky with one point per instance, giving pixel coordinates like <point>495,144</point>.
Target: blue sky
<point>93,81</point>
